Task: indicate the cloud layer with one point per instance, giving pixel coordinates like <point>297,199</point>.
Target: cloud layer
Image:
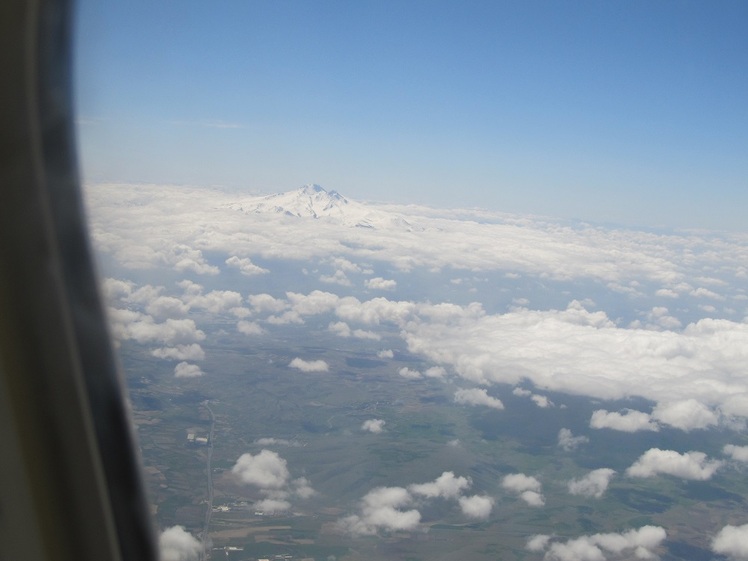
<point>690,369</point>
<point>129,222</point>
<point>681,341</point>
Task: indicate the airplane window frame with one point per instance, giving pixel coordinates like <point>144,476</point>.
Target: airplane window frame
<point>71,483</point>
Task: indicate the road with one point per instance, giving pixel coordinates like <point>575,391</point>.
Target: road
<point>209,511</point>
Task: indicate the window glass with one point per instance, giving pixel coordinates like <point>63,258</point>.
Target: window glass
<point>426,280</point>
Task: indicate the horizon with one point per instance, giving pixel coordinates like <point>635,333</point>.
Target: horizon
<point>573,221</point>
<point>628,114</point>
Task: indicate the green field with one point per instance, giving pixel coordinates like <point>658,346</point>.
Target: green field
<point>318,416</point>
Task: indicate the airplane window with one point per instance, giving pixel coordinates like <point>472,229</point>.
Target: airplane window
<point>426,280</point>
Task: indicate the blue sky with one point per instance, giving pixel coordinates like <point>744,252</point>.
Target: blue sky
<point>631,112</point>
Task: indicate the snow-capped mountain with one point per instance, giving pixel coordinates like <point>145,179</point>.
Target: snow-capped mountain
<point>310,200</point>
<point>313,201</point>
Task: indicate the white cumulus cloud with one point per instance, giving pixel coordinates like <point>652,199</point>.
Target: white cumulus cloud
<point>690,465</point>
<point>447,485</point>
<point>164,307</point>
<point>409,373</point>
<point>272,506</point>
<point>700,362</point>
<point>339,328</point>
<point>378,283</point>
<point>249,328</point>
<point>265,303</point>
<point>309,365</point>
<point>476,506</point>
<point>594,484</point>
<point>532,498</point>
<point>739,453</point>
<point>626,421</point>
<point>390,508</point>
<point>373,425</point>
<point>527,487</point>
<point>116,289</point>
<point>180,352</point>
<point>519,482</point>
<point>339,277</point>
<point>128,324</point>
<point>477,396</point>
<point>266,470</point>
<point>286,318</point>
<point>537,542</point>
<point>541,401</point>
<point>435,372</point>
<point>314,303</point>
<point>732,541</point>
<point>245,265</point>
<point>636,544</point>
<point>177,544</point>
<point>215,301</point>
<point>342,329</point>
<point>686,415</point>
<point>270,441</point>
<point>187,370</point>
<point>302,488</point>
<point>568,441</point>
<point>382,509</point>
<point>366,334</point>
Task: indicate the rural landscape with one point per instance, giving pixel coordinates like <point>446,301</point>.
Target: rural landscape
<point>311,378</point>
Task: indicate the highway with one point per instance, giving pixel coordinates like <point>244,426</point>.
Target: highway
<point>209,511</point>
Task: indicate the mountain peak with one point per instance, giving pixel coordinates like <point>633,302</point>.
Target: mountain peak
<point>310,200</point>
<point>319,193</point>
<point>313,188</point>
<point>314,201</point>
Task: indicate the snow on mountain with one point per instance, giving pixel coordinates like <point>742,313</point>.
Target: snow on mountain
<point>313,201</point>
